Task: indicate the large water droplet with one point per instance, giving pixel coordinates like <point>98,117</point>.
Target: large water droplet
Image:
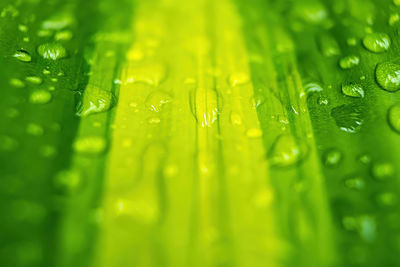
<point>156,100</point>
<point>377,42</point>
<point>95,100</point>
<point>23,56</point>
<point>52,51</point>
<point>353,90</point>
<point>348,118</point>
<point>286,151</point>
<point>40,97</point>
<point>205,105</point>
<point>349,62</point>
<point>388,76</point>
<point>394,117</point>
<point>90,145</point>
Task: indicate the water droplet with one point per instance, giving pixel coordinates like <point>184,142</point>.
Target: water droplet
<point>34,129</point>
<point>353,90</point>
<point>40,97</point>
<point>90,145</point>
<point>23,56</point>
<point>387,199</point>
<point>351,41</point>
<point>48,151</point>
<point>152,74</point>
<point>382,170</point>
<point>394,117</point>
<point>332,157</point>
<point>286,151</point>
<point>95,100</point>
<point>377,42</point>
<point>156,100</point>
<point>7,143</point>
<point>205,105</point>
<point>356,183</point>
<point>349,62</point>
<point>254,133</point>
<point>257,100</point>
<point>348,118</point>
<point>388,76</point>
<point>22,28</point>
<point>393,19</point>
<point>17,83</point>
<point>236,119</point>
<point>328,46</point>
<point>322,101</point>
<point>63,36</point>
<point>52,51</point>
<point>34,79</point>
<point>238,79</point>
<point>312,87</point>
<point>364,159</point>
<point>68,181</point>
<point>154,120</point>
<point>58,22</point>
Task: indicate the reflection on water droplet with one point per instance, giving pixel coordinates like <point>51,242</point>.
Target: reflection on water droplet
<point>356,183</point>
<point>349,62</point>
<point>23,56</point>
<point>95,100</point>
<point>205,105</point>
<point>34,79</point>
<point>52,51</point>
<point>353,90</point>
<point>348,118</point>
<point>286,151</point>
<point>156,100</point>
<point>388,76</point>
<point>377,42</point>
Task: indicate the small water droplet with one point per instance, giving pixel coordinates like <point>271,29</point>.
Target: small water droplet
<point>154,120</point>
<point>205,105</point>
<point>22,28</point>
<point>286,151</point>
<point>17,83</point>
<point>90,145</point>
<point>254,133</point>
<point>386,199</point>
<point>328,46</point>
<point>322,101</point>
<point>312,87</point>
<point>34,79</point>
<point>332,157</point>
<point>356,183</point>
<point>393,19</point>
<point>7,143</point>
<point>257,101</point>
<point>34,129</point>
<point>68,181</point>
<point>349,62</point>
<point>351,41</point>
<point>63,36</point>
<point>236,79</point>
<point>388,76</point>
<point>353,90</point>
<point>377,42</point>
<point>156,100</point>
<point>235,118</point>
<point>95,100</point>
<point>23,56</point>
<point>364,159</point>
<point>394,117</point>
<point>152,74</point>
<point>348,118</point>
<point>48,151</point>
<point>40,97</point>
<point>52,51</point>
<point>58,22</point>
<point>382,170</point>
